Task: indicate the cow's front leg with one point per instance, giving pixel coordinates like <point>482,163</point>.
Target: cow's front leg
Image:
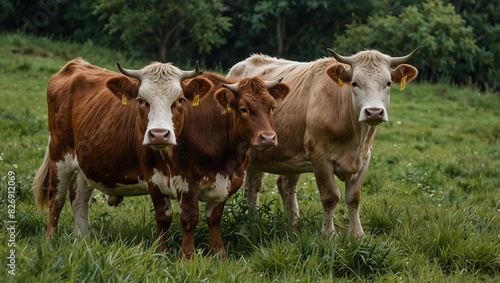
<point>287,187</point>
<point>189,217</point>
<point>214,217</point>
<point>253,185</point>
<point>328,190</point>
<point>214,210</point>
<point>163,216</point>
<point>353,197</point>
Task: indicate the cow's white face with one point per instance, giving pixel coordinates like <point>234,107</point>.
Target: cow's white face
<point>371,93</point>
<point>159,90</point>
<point>370,75</point>
<point>158,95</point>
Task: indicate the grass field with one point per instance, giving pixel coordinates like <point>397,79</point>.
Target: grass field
<point>430,205</point>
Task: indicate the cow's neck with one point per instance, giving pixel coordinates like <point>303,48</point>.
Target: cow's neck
<point>208,135</point>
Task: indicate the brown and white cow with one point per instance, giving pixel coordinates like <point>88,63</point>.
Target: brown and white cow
<point>112,132</point>
<point>214,147</point>
<point>326,125</point>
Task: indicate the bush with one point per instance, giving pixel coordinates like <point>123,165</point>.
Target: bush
<point>448,41</point>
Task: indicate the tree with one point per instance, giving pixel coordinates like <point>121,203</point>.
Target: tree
<point>5,9</point>
<point>296,28</point>
<point>484,17</point>
<point>447,39</point>
<point>167,24</point>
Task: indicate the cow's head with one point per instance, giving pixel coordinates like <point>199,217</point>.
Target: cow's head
<point>370,76</point>
<point>159,99</point>
<point>253,103</point>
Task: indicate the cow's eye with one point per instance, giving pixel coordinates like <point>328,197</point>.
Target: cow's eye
<point>243,110</point>
<point>273,109</point>
<point>388,84</point>
<point>139,100</point>
<point>354,84</point>
<point>181,100</point>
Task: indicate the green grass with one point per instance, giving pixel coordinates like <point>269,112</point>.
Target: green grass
<point>430,205</point>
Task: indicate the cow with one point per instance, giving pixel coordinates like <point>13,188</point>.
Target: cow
<point>113,132</point>
<point>214,147</point>
<point>326,125</point>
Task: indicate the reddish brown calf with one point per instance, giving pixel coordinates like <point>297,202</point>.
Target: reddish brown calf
<point>214,148</point>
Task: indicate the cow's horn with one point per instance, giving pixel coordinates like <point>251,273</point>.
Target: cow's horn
<point>271,84</point>
<point>129,73</point>
<point>400,60</point>
<point>340,58</point>
<point>231,87</point>
<point>191,74</point>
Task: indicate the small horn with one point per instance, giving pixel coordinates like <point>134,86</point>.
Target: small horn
<point>231,87</point>
<point>400,60</point>
<point>129,73</point>
<point>340,58</point>
<point>191,74</point>
<point>271,84</point>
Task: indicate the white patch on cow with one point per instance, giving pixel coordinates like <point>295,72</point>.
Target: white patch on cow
<point>160,97</point>
<point>168,207</point>
<point>215,193</point>
<point>66,170</point>
<point>160,180</point>
<point>178,185</point>
<point>138,189</point>
<point>372,92</point>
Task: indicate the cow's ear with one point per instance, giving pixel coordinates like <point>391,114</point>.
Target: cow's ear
<point>123,87</point>
<point>197,86</point>
<point>226,98</point>
<point>279,91</point>
<point>404,70</point>
<point>339,74</point>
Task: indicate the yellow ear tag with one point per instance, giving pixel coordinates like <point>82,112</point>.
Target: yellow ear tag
<point>339,81</point>
<point>124,100</point>
<point>403,83</point>
<point>228,108</point>
<point>196,100</point>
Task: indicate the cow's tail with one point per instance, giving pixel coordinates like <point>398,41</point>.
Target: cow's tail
<point>41,181</point>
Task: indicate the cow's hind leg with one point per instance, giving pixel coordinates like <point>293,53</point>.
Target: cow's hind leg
<point>253,185</point>
<point>287,187</point>
<point>60,179</point>
<point>80,198</point>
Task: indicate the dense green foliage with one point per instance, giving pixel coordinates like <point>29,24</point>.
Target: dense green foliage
<point>169,26</point>
<point>443,32</point>
<point>429,206</point>
<point>461,37</point>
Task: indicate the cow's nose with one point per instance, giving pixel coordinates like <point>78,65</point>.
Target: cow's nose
<point>374,113</point>
<point>159,136</point>
<point>268,139</point>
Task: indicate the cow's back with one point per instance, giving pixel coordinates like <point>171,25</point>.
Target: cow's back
<point>87,120</point>
<point>70,89</point>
